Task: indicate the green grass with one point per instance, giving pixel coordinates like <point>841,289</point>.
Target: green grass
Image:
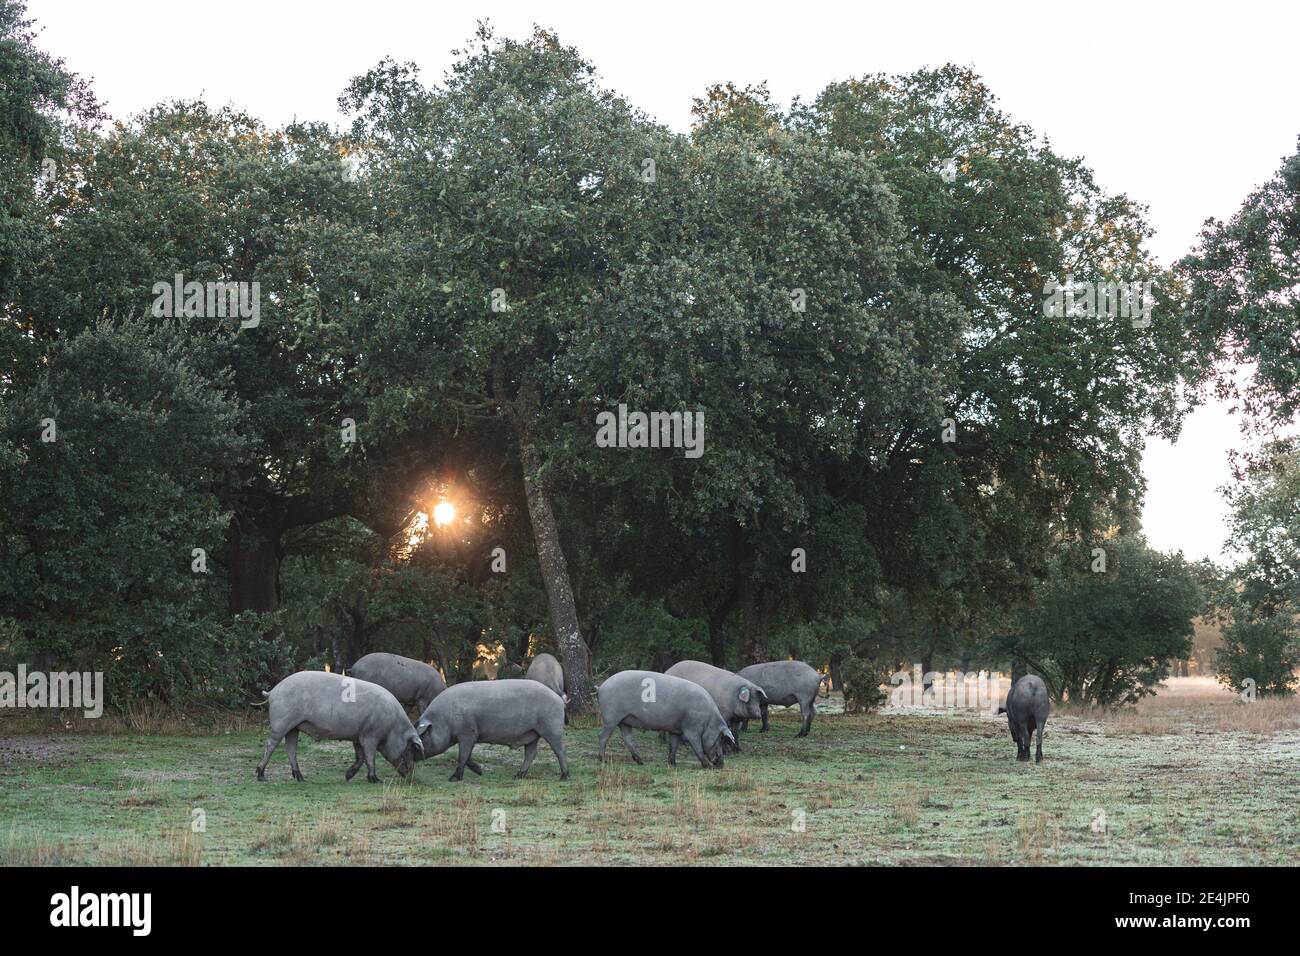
<point>879,789</point>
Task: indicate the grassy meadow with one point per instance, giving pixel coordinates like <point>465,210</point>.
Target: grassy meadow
<point>1190,777</point>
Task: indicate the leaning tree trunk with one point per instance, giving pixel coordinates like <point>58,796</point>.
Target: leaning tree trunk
<point>555,576</point>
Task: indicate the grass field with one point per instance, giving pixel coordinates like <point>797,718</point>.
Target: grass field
<point>1190,777</point>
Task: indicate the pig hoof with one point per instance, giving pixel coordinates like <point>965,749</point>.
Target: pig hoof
<point>456,776</point>
<point>520,775</point>
<point>636,759</point>
<point>565,775</point>
<point>370,779</point>
<point>300,778</point>
<point>261,775</point>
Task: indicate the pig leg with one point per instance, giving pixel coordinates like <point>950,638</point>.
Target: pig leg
<point>361,758</point>
<point>763,708</point>
<point>1038,757</point>
<point>466,750</point>
<point>473,766</point>
<point>530,754</point>
<point>631,744</point>
<point>556,743</point>
<point>698,746</point>
<point>369,754</point>
<point>674,741</point>
<point>1022,743</point>
<point>806,710</point>
<point>605,733</point>
<point>291,745</point>
<point>272,742</point>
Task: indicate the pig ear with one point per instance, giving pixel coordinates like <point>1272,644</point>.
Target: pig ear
<point>744,695</point>
<point>726,732</point>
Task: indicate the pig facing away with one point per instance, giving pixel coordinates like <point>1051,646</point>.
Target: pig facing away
<point>414,683</point>
<point>646,700</point>
<point>546,670</point>
<point>331,707</point>
<point>737,699</point>
<point>785,683</point>
<point>1027,708</point>
<point>514,712</point>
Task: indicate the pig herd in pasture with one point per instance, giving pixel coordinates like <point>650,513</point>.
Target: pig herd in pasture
<point>703,705</point>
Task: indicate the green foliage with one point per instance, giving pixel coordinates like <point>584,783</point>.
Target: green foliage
<point>640,634</point>
<point>100,523</point>
<point>1106,638</point>
<point>1243,303</point>
<point>1266,528</point>
<point>863,683</point>
<point>1263,649</point>
<point>1261,596</point>
<point>921,300</point>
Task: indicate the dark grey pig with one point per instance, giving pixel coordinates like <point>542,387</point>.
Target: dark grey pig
<point>646,700</point>
<point>785,683</point>
<point>546,670</point>
<point>1027,708</point>
<point>516,713</point>
<point>414,683</point>
<point>331,707</point>
<point>738,699</point>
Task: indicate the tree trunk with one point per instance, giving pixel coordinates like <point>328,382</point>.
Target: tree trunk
<point>756,618</point>
<point>836,682</point>
<point>555,576</point>
<point>717,638</point>
<point>254,568</point>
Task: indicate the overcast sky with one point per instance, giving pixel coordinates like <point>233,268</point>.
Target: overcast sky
<point>1184,109</point>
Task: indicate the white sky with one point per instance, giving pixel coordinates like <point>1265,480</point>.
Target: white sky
<point>1182,106</point>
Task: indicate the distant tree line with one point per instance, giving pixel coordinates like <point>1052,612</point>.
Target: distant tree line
<point>905,457</point>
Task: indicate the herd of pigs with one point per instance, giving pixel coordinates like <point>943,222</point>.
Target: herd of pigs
<point>705,706</point>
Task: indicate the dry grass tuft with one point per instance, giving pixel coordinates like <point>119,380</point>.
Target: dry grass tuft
<point>691,802</point>
<point>907,810</point>
<point>1193,705</point>
<point>1036,835</point>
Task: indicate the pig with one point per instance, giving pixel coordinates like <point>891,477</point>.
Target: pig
<point>513,712</point>
<point>785,683</point>
<point>332,707</point>
<point>738,699</point>
<point>1027,708</point>
<point>651,701</point>
<point>414,683</point>
<point>546,670</point>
